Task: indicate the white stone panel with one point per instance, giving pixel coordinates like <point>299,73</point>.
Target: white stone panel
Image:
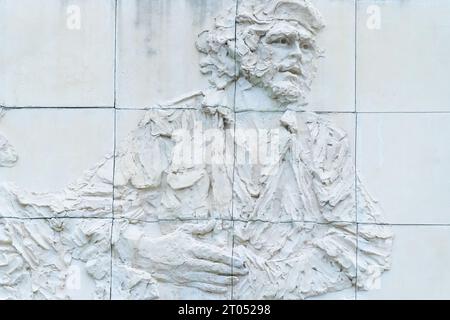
<point>62,154</point>
<point>402,61</point>
<point>404,160</point>
<point>420,260</point>
<point>157,56</point>
<point>334,86</point>
<point>57,53</point>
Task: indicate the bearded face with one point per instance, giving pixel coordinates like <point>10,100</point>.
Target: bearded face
<point>282,60</point>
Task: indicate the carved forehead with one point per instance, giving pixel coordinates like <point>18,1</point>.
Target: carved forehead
<point>290,29</point>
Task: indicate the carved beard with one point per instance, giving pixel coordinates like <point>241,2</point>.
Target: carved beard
<point>288,90</point>
<point>281,86</point>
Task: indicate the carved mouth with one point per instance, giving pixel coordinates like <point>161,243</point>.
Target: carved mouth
<point>292,69</point>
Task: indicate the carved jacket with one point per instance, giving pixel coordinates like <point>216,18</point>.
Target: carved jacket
<point>291,219</point>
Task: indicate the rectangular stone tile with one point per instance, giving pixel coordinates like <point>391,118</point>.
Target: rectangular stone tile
<point>55,259</point>
<point>57,53</point>
<point>278,61</point>
<point>418,268</point>
<point>333,89</point>
<point>402,55</point>
<point>294,166</point>
<point>173,164</point>
<point>157,56</point>
<point>404,160</point>
<point>172,260</point>
<point>64,163</point>
<point>292,261</point>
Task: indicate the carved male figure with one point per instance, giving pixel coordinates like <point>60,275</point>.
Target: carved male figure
<point>278,229</point>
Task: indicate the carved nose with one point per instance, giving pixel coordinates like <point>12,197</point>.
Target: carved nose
<point>296,52</point>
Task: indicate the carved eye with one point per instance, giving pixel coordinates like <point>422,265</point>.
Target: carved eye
<point>282,41</point>
<point>306,46</point>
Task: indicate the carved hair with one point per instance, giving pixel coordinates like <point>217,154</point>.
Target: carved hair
<point>223,55</point>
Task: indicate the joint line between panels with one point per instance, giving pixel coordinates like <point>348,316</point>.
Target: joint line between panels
<point>356,143</point>
<point>6,108</point>
<point>238,220</point>
<point>53,218</point>
<point>114,149</point>
<point>433,111</point>
<point>113,203</point>
<point>234,149</point>
<point>337,222</point>
<point>356,205</point>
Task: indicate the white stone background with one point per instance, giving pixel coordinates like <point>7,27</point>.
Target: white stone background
<point>71,94</point>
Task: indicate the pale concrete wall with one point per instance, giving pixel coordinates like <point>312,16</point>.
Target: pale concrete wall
<point>71,91</point>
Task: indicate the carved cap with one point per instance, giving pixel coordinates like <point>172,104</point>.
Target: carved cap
<point>301,11</point>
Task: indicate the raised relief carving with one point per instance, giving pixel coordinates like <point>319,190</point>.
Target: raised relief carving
<point>8,155</point>
<point>54,259</point>
<point>209,203</point>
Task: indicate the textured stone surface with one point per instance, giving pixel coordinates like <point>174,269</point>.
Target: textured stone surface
<point>294,166</point>
<point>237,184</point>
<point>294,260</point>
<point>54,259</point>
<point>174,260</point>
<point>155,180</point>
<point>173,188</point>
<point>8,155</point>
<point>195,220</point>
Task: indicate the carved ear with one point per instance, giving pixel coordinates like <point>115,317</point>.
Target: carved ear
<point>202,42</point>
<point>251,39</point>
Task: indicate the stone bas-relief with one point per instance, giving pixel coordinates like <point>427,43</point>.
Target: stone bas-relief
<point>54,259</point>
<point>276,256</point>
<point>272,37</point>
<point>194,220</point>
<point>8,155</point>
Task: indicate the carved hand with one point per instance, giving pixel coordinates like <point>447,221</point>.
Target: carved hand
<point>181,259</point>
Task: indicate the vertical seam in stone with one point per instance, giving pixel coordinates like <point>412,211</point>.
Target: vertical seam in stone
<point>356,145</point>
<point>234,148</point>
<point>114,149</point>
